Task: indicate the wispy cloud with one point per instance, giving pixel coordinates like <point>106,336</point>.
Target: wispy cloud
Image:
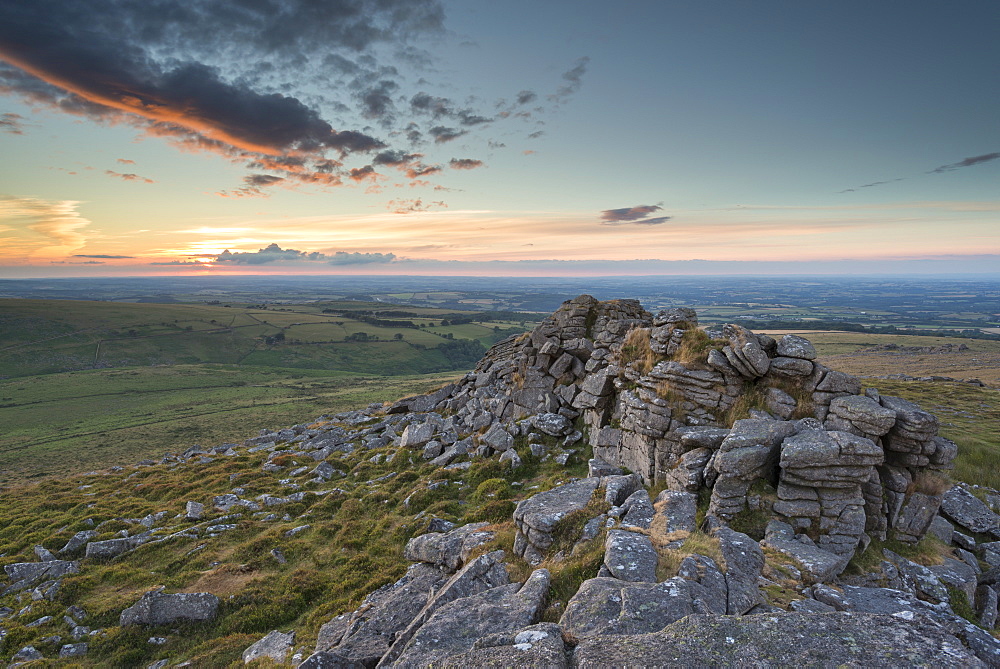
<point>968,162</point>
<point>573,78</point>
<point>254,185</point>
<point>637,215</point>
<point>465,163</point>
<point>57,223</point>
<point>128,177</point>
<point>101,256</point>
<point>413,206</point>
<point>12,123</point>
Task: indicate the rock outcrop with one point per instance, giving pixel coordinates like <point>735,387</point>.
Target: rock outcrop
<point>775,472</point>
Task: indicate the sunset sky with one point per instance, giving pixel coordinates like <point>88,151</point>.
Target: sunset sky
<point>144,137</point>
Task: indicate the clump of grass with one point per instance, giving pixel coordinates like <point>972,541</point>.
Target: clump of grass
<point>569,574</point>
<point>566,532</point>
<point>695,543</point>
<point>695,347</point>
<point>929,483</point>
<point>928,551</point>
<point>960,604</point>
<point>752,397</point>
<point>666,391</point>
<point>636,350</point>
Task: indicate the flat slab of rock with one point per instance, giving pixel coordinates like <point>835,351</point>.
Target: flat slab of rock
<point>158,608</point>
<point>786,640</point>
<point>744,563</point>
<point>456,626</point>
<point>545,509</point>
<point>275,646</point>
<point>538,645</point>
<point>447,549</point>
<point>605,605</point>
<point>676,510</point>
<point>817,564</point>
<point>965,509</point>
<point>630,556</point>
<point>371,629</point>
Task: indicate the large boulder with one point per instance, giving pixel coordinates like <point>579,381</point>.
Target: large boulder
<point>455,627</point>
<point>447,549</point>
<point>610,606</point>
<point>275,646</point>
<point>158,608</point>
<point>630,556</point>
<point>786,640</point>
<point>965,509</point>
<point>536,517</point>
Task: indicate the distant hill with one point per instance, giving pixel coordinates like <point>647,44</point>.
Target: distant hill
<point>50,336</point>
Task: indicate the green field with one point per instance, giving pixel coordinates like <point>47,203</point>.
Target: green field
<point>84,385</point>
<point>76,421</point>
<point>50,336</point>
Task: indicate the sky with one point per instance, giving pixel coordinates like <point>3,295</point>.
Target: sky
<point>506,138</point>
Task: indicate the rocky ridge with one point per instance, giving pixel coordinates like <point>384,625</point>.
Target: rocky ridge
<point>743,433</point>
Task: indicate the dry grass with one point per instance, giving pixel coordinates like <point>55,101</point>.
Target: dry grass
<point>694,348</point>
<point>225,581</point>
<point>930,483</point>
<point>695,543</point>
<point>636,350</point>
<point>752,397</point>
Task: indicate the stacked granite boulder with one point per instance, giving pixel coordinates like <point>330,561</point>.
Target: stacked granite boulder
<point>749,423</point>
<point>841,466</point>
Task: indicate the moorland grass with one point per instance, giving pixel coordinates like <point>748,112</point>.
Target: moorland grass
<point>354,543</point>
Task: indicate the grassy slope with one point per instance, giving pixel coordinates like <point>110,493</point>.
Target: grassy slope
<point>353,546</point>
<point>48,336</point>
<point>76,421</point>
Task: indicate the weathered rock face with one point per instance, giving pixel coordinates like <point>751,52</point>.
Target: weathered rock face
<point>789,640</point>
<point>158,608</point>
<point>833,468</point>
<point>657,395</point>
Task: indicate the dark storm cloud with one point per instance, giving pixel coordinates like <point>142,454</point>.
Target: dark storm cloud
<point>377,101</point>
<point>637,215</point>
<point>210,75</point>
<point>465,163</point>
<point>275,254</point>
<point>12,123</point>
<point>256,81</point>
<point>968,162</point>
<point>424,103</point>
